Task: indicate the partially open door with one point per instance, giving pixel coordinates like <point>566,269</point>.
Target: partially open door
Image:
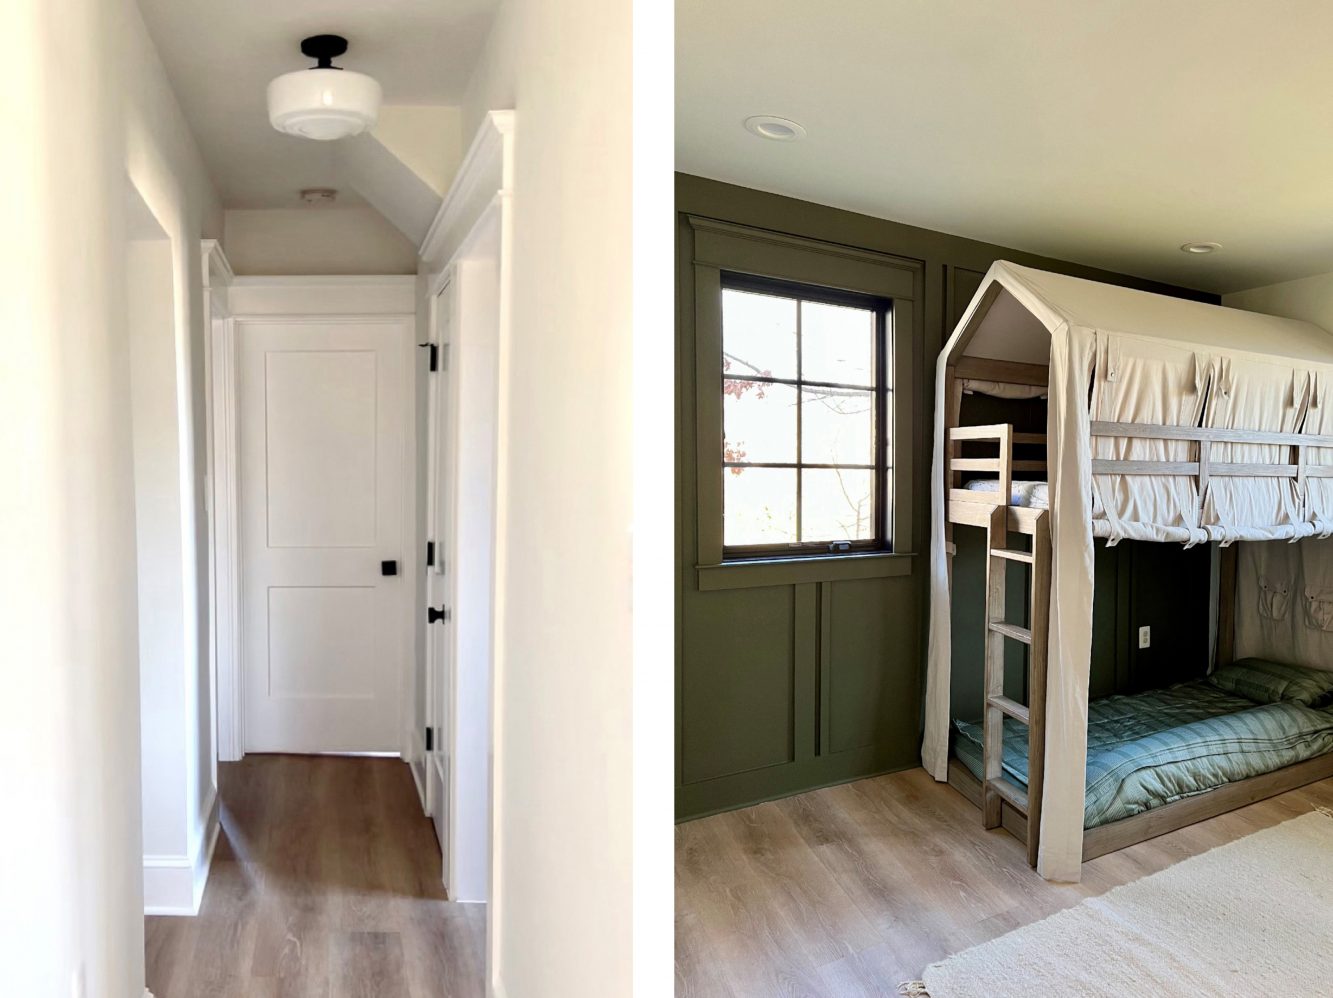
<point>440,568</point>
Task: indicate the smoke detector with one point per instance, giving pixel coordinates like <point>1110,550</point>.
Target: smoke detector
<point>324,102</point>
<point>319,195</point>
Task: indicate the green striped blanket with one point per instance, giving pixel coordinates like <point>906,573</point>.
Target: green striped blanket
<point>1157,747</point>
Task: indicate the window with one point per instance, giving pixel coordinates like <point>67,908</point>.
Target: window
<point>805,407</point>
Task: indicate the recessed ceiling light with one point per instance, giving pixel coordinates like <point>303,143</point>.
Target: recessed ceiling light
<point>766,126</point>
<point>1200,247</point>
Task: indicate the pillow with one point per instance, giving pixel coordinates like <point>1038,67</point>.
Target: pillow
<point>1273,682</point>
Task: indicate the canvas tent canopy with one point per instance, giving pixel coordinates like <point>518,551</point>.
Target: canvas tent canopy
<point>1120,363</point>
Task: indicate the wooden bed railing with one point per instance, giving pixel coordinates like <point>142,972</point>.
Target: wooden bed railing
<point>1003,465</point>
<point>1204,468</point>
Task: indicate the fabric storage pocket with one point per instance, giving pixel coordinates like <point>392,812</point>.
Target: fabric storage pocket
<point>1274,598</point>
<point>1319,609</point>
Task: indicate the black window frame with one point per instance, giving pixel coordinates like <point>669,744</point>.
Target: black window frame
<point>882,307</point>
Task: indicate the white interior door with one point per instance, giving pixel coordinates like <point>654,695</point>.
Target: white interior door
<point>322,485</point>
<point>442,458</point>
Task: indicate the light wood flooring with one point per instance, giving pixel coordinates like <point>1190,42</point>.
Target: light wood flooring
<point>848,891</point>
<point>325,884</point>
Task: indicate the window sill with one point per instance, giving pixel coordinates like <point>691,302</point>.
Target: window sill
<point>794,571</point>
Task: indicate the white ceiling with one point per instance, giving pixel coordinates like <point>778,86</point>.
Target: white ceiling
<point>1103,133</point>
<point>220,57</point>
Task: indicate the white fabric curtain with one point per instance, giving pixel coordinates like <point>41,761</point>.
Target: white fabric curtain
<point>1284,602</point>
<point>1252,394</point>
<point>1145,380</point>
<point>1060,856</point>
<point>1318,498</point>
<point>939,639</point>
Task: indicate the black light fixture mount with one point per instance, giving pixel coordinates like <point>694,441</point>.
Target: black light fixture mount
<point>324,49</point>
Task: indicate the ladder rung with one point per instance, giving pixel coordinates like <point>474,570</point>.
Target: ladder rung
<point>1013,795</point>
<point>1012,631</point>
<point>1011,555</point>
<point>1011,707</point>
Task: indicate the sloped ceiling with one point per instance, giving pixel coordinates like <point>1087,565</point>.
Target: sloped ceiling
<point>1105,133</point>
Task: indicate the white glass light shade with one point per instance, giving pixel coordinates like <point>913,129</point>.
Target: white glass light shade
<point>323,104</point>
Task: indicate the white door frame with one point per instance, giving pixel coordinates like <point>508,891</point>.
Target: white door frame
<point>294,299</point>
<point>220,493</point>
<point>473,232</point>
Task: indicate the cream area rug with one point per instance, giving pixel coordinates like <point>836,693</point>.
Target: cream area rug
<point>1253,917</point>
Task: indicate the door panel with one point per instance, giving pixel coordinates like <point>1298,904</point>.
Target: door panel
<point>322,479</point>
<point>319,640</point>
<point>320,443</point>
<point>440,636</point>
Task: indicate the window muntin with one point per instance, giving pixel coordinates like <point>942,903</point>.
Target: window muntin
<point>805,384</point>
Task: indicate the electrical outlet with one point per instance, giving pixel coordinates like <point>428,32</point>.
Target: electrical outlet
<point>1145,637</point>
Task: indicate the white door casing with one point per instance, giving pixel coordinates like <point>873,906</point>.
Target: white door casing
<point>323,472</point>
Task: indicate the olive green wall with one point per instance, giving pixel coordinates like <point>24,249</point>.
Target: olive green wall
<point>786,687</point>
<point>1163,586</point>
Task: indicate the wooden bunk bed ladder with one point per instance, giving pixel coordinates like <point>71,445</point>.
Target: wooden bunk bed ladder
<point>996,789</point>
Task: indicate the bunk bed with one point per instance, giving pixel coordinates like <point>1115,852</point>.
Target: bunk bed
<point>1169,421</point>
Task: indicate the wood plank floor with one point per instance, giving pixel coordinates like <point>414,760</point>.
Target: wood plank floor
<point>325,884</point>
<point>848,891</point>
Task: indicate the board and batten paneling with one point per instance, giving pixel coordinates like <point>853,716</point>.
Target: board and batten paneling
<point>756,665</point>
<point>801,676</point>
<point>862,698</point>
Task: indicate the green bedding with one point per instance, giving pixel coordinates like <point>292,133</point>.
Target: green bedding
<point>1156,747</point>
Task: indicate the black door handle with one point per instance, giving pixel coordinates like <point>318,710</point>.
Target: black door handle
<point>435,616</point>
<point>388,568</point>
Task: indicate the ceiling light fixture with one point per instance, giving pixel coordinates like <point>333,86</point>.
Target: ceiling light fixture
<point>323,102</point>
<point>1200,248</point>
<point>767,126</point>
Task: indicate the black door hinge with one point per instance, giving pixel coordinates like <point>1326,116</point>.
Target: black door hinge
<point>434,349</point>
<point>430,554</point>
<point>430,739</point>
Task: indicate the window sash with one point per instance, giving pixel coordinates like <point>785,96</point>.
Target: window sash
<point>881,426</point>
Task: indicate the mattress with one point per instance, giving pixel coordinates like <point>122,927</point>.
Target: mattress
<point>1161,746</point>
<point>1032,494</point>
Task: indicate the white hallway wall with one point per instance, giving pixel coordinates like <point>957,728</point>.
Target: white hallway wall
<point>69,741</point>
<point>166,168</point>
<point>561,901</point>
<point>287,241</point>
<point>85,100</point>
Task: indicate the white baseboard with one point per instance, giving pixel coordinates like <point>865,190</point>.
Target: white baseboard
<point>174,885</point>
<point>415,757</point>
